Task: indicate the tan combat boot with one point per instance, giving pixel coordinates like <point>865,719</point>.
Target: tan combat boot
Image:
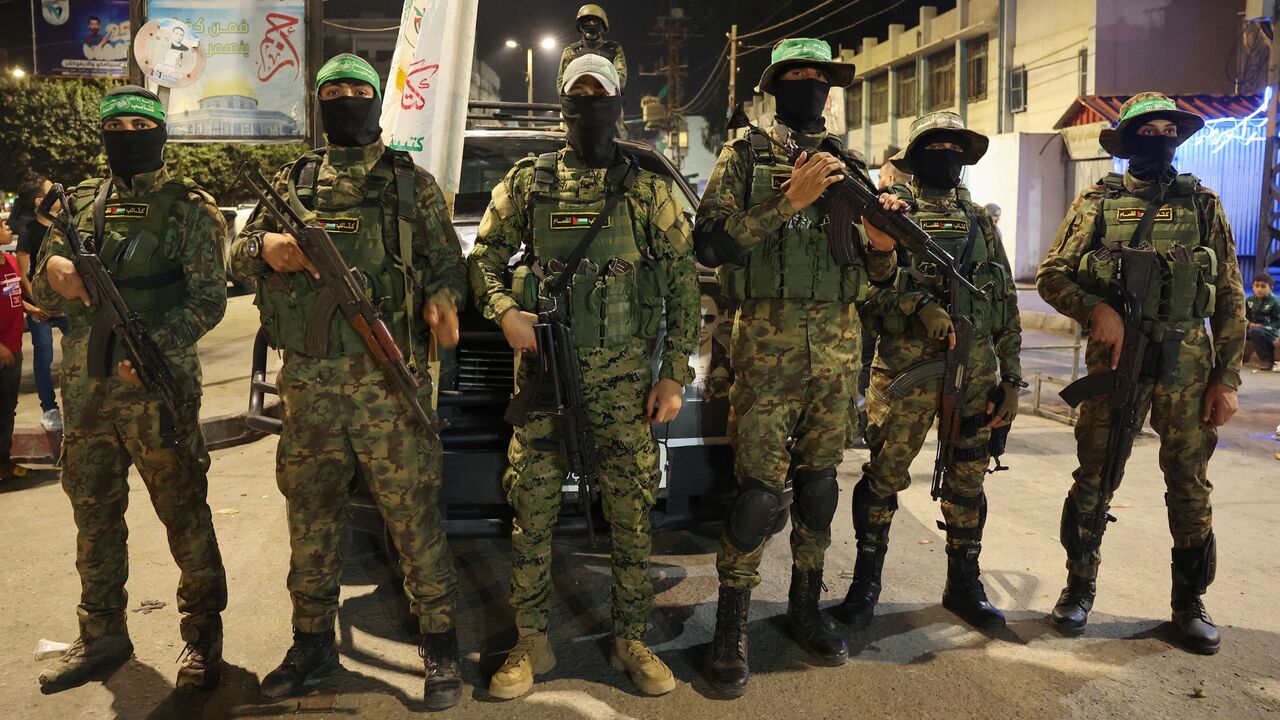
<point>531,656</point>
<point>647,671</point>
<point>84,660</point>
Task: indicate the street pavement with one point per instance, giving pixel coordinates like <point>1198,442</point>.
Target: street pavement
<point>916,660</point>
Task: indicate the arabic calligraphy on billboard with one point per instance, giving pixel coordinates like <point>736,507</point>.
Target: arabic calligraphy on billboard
<point>87,38</point>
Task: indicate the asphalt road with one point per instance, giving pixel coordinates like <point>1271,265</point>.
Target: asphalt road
<point>915,661</point>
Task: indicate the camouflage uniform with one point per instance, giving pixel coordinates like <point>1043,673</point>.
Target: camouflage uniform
<point>795,360</point>
<point>110,424</point>
<point>340,414</point>
<point>616,375</point>
<point>1185,443</point>
<point>896,429</point>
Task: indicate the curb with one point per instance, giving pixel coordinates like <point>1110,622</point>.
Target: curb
<point>1048,322</point>
<point>36,446</point>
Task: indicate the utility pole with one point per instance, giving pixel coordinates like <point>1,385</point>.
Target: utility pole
<point>671,30</point>
<point>1269,212</point>
<point>529,71</point>
<point>733,65</point>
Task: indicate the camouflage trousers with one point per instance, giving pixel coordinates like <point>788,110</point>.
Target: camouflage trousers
<point>340,419</point>
<point>109,425</point>
<point>615,383</point>
<point>896,432</point>
<point>1185,447</point>
<point>795,364</point>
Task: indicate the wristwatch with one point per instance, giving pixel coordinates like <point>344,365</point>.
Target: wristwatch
<point>254,247</point>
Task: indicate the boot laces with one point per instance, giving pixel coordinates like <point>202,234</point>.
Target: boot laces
<point>435,651</point>
<point>75,651</point>
<point>729,623</point>
<point>522,650</point>
<point>193,655</point>
<point>638,650</point>
<point>301,648</point>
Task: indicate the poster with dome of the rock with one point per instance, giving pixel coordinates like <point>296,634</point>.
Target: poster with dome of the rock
<point>254,84</point>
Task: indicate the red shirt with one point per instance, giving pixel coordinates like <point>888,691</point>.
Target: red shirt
<point>12,319</point>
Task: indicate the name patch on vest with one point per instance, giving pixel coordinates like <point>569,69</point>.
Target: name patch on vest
<point>1133,215</point>
<point>126,210</point>
<point>575,220</point>
<point>778,179</point>
<point>342,226</point>
<point>945,225</point>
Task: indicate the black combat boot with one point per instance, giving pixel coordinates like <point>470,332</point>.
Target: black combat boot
<point>1072,611</point>
<point>859,604</point>
<point>727,670</point>
<point>200,664</point>
<point>1193,571</point>
<point>439,653</point>
<point>312,658</point>
<point>964,594</point>
<point>807,625</point>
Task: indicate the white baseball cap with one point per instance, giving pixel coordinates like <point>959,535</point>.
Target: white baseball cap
<point>597,67</point>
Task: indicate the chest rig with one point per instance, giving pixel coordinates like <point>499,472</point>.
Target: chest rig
<point>608,50</point>
<point>793,263</point>
<point>130,238</point>
<point>1185,289</point>
<point>375,237</point>
<point>614,296</point>
<point>955,226</point>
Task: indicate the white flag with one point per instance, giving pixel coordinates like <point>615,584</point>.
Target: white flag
<point>424,107</point>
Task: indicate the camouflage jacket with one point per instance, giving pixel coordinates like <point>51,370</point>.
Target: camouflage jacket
<point>194,235</point>
<point>1078,234</point>
<point>437,255</point>
<point>726,194</point>
<point>659,222</point>
<point>606,49</point>
<point>887,299</point>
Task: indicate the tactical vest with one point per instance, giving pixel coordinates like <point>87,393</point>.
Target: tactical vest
<point>793,263</point>
<point>130,239</point>
<point>956,230</point>
<point>607,50</point>
<point>374,239</point>
<point>1185,290</point>
<point>615,295</point>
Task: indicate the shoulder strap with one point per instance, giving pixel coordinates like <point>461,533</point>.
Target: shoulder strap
<point>1148,218</point>
<point>406,211</point>
<point>761,151</point>
<point>302,182</point>
<point>618,180</point>
<point>100,212</point>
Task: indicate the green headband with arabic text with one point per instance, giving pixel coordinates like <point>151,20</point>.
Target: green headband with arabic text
<point>349,67</point>
<point>113,105</point>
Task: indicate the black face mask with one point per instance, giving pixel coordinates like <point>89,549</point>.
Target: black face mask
<point>132,152</point>
<point>592,121</point>
<point>938,168</point>
<point>1151,157</point>
<point>800,103</point>
<point>351,121</point>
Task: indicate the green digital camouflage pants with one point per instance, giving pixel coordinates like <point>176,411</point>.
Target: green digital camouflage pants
<point>896,432</point>
<point>795,366</point>
<point>109,425</point>
<point>1185,445</point>
<point>340,418</point>
<point>615,383</point>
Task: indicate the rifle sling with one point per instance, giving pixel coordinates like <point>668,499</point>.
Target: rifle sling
<point>1148,218</point>
<point>619,179</point>
<point>100,212</point>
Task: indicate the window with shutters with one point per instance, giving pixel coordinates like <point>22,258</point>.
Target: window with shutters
<point>975,53</point>
<point>853,108</point>
<point>942,80</point>
<point>880,98</point>
<point>1018,89</point>
<point>906,90</point>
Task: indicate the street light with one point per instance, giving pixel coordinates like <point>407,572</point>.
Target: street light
<point>18,73</point>
<point>547,43</point>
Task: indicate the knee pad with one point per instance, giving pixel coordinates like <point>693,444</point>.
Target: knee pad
<point>863,501</point>
<point>757,513</point>
<point>816,495</point>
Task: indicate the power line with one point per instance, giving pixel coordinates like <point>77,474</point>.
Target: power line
<point>715,72</point>
<point>837,11</point>
<point>389,28</point>
<point>859,22</point>
<point>791,19</point>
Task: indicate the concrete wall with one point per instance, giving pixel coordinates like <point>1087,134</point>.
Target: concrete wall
<point>1049,35</point>
<point>1024,174</point>
<point>1138,41</point>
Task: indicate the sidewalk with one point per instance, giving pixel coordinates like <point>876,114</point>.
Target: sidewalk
<point>225,356</point>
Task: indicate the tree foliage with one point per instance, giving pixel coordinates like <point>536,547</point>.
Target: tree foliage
<point>52,127</point>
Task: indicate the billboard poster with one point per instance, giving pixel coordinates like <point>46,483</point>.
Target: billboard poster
<point>253,86</point>
<point>81,38</point>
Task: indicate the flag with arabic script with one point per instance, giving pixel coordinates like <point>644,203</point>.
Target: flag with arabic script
<point>424,106</point>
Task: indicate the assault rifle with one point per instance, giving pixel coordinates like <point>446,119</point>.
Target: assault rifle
<point>345,291</point>
<point>1142,364</point>
<point>555,389</point>
<point>113,321</point>
<point>856,196</point>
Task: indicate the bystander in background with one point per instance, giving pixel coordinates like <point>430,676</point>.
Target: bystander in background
<point>39,321</point>
<point>1263,311</point>
<point>10,356</point>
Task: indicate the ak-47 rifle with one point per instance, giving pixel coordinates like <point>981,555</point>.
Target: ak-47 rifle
<point>1143,363</point>
<point>113,321</point>
<point>346,291</point>
<point>856,196</point>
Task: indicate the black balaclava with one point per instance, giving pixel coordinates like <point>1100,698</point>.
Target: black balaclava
<point>591,34</point>
<point>592,122</point>
<point>1151,156</point>
<point>351,121</point>
<point>133,152</point>
<point>800,103</point>
<point>939,168</point>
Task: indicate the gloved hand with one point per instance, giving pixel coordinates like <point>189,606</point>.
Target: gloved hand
<point>1002,404</point>
<point>936,321</point>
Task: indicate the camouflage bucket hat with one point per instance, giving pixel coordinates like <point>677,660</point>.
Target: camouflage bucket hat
<point>805,52</point>
<point>349,67</point>
<point>975,143</point>
<point>1142,108</point>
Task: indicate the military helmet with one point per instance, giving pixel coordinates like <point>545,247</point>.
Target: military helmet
<point>940,123</point>
<point>595,11</point>
<point>1142,108</point>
